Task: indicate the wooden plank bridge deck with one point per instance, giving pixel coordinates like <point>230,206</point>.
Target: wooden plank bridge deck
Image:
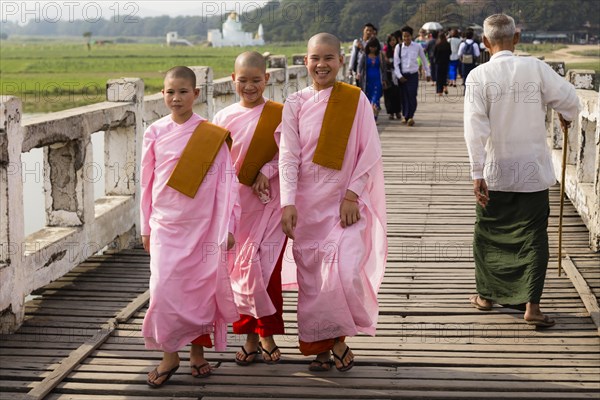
<point>430,344</point>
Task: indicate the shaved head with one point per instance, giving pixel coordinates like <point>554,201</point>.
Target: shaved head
<point>181,72</point>
<point>251,59</point>
<point>327,39</point>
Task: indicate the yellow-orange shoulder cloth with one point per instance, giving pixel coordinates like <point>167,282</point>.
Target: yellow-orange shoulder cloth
<point>197,157</point>
<point>337,124</point>
<point>263,147</point>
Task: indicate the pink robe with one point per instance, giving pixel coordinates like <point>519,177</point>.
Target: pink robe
<point>190,291</point>
<point>259,238</point>
<point>339,270</point>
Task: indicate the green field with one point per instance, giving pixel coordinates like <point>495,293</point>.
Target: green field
<point>53,75</point>
<point>539,48</point>
<point>56,75</point>
<point>593,65</point>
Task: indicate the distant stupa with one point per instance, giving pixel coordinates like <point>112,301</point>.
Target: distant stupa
<point>174,40</point>
<point>233,35</point>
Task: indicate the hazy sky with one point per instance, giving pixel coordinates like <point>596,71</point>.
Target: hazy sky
<point>66,10</point>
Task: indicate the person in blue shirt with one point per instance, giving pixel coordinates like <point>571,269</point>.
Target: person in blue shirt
<point>371,69</point>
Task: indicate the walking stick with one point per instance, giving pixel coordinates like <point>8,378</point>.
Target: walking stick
<point>565,131</point>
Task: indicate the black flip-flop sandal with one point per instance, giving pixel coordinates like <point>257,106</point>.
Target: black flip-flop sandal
<point>321,367</point>
<point>245,361</point>
<point>200,374</point>
<point>270,354</point>
<point>344,367</point>
<point>168,373</point>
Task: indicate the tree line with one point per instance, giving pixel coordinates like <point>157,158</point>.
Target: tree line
<point>295,20</point>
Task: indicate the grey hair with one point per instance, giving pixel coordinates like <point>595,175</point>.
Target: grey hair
<point>498,28</point>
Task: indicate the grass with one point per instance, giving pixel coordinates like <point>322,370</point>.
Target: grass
<point>56,75</point>
<point>593,65</point>
<point>539,48</point>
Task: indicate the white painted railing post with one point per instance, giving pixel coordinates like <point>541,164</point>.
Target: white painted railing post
<point>278,82</point>
<point>123,144</point>
<point>587,144</point>
<point>223,93</point>
<point>204,81</point>
<point>12,292</point>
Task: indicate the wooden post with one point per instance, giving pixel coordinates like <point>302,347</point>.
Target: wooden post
<point>562,190</point>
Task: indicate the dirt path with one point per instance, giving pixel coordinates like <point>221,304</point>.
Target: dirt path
<point>567,55</point>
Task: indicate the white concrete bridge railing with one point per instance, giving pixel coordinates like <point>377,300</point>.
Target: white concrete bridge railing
<point>79,226</point>
<point>582,183</point>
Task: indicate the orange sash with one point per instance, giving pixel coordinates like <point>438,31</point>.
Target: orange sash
<point>197,157</point>
<point>263,147</point>
<point>337,124</point>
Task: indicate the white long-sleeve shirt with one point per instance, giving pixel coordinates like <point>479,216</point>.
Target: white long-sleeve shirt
<point>409,55</point>
<point>454,45</point>
<point>355,52</point>
<point>463,45</point>
<point>504,121</point>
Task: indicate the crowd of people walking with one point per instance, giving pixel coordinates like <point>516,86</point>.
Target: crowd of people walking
<point>395,67</point>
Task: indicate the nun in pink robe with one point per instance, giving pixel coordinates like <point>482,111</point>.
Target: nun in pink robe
<point>339,269</point>
<point>190,290</point>
<point>259,238</point>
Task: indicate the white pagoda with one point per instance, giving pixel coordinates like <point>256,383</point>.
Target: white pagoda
<point>233,35</point>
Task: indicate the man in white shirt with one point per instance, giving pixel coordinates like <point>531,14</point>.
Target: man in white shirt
<point>358,46</point>
<point>406,69</point>
<point>504,117</point>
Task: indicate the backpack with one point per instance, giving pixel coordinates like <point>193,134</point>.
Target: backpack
<point>468,56</point>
